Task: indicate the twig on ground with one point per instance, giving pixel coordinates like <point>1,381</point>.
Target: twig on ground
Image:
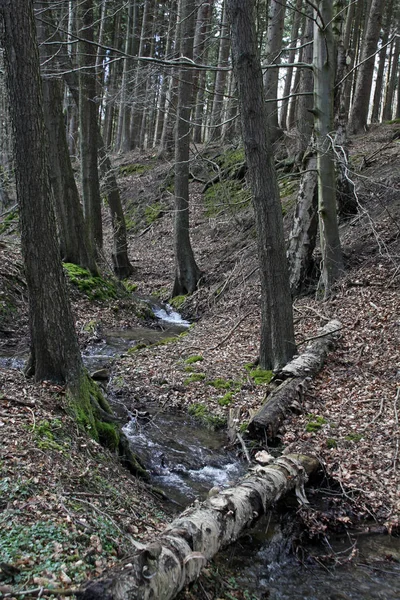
<point>230,332</point>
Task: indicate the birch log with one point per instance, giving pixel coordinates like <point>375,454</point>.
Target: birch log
<point>163,568</point>
<point>296,376</point>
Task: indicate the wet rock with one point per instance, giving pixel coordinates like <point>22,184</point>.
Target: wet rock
<point>101,375</point>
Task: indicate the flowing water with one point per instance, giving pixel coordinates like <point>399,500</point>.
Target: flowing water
<point>186,460</point>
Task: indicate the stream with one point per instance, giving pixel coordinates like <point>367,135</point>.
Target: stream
<point>186,460</point>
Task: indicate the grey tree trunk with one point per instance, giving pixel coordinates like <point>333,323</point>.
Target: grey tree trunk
<point>382,60</point>
<point>273,56</point>
<point>388,106</point>
<point>187,273</point>
<point>74,244</point>
<point>277,335</point>
<point>220,79</point>
<point>359,111</point>
<point>296,377</point>
<point>55,354</point>
<point>88,128</point>
<point>324,77</point>
<point>291,59</point>
<point>303,236</point>
<point>200,54</point>
<point>304,103</point>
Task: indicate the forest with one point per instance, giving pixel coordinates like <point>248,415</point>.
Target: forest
<point>199,299</point>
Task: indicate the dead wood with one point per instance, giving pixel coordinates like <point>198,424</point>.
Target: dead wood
<point>296,376</point>
<point>163,568</point>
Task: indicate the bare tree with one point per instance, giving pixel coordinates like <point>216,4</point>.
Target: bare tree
<point>277,344</point>
<point>187,273</point>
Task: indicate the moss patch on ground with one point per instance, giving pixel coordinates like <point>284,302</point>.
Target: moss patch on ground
<point>95,288</point>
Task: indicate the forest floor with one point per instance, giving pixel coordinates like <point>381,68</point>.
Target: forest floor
<point>68,510</point>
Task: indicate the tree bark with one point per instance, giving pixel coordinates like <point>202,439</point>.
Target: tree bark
<point>277,335</point>
<point>74,243</point>
<point>187,273</point>
<point>388,106</point>
<point>55,352</point>
<point>161,569</point>
<point>382,60</point>
<point>88,129</point>
<point>296,376</point>
<point>303,235</point>
<point>220,79</point>
<point>291,58</point>
<point>274,47</point>
<point>359,111</point>
<point>324,76</point>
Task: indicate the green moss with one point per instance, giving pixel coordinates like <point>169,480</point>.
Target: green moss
<point>393,121</point>
<point>44,435</point>
<point>354,437</point>
<point>200,412</point>
<point>220,383</point>
<point>314,423</point>
<point>134,169</point>
<point>108,435</point>
<point>177,301</point>
<point>194,359</point>
<point>260,376</point>
<point>229,195</point>
<point>331,443</point>
<point>243,427</point>
<point>95,288</point>
<point>129,286</point>
<point>153,212</point>
<point>227,399</point>
<point>230,159</point>
<point>9,221</point>
<point>194,378</point>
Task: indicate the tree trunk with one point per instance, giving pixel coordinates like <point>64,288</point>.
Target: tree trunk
<point>88,129</point>
<point>55,352</point>
<point>274,47</point>
<point>303,236</point>
<point>200,53</point>
<point>161,569</point>
<point>324,75</point>
<point>74,244</point>
<point>296,377</point>
<point>382,60</point>
<point>187,273</point>
<point>359,111</point>
<point>220,79</point>
<point>291,59</point>
<point>277,336</point>
<point>304,103</point>
<point>388,106</point>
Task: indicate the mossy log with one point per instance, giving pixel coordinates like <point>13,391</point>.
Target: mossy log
<point>292,381</point>
<point>163,568</point>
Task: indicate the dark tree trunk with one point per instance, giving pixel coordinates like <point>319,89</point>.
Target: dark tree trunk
<point>277,335</point>
<point>74,244</point>
<point>88,128</point>
<point>187,273</point>
<point>220,78</point>
<point>359,110</point>
<point>55,353</point>
<point>274,47</point>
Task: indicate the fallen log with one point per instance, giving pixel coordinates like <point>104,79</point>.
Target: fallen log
<point>161,569</point>
<point>292,381</point>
